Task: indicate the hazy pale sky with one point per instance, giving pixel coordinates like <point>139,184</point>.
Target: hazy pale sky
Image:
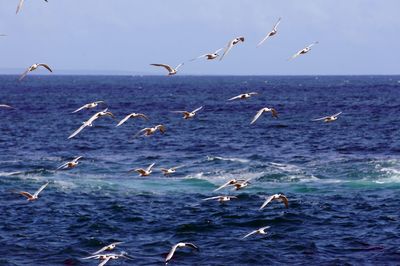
<point>356,36</point>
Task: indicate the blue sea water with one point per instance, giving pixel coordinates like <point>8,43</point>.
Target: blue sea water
<point>342,178</point>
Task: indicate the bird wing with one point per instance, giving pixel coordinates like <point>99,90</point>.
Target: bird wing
<point>201,56</point>
<point>171,253</point>
<point>45,66</point>
<point>62,166</point>
<point>40,189</point>
<point>77,159</point>
<point>104,261</point>
<point>76,132</point>
<point>164,66</point>
<point>191,245</point>
<point>277,23</point>
<point>296,55</point>
<point>227,49</point>
<point>264,39</point>
<point>26,194</point>
<point>23,75</point>
<point>249,234</point>
<point>224,185</point>
<point>337,114</point>
<point>253,93</point>
<point>322,118</point>
<point>268,200</point>
<point>100,250</point>
<point>263,228</point>
<point>140,132</point>
<point>219,50</point>
<point>140,171</point>
<point>6,106</point>
<point>20,4</point>
<point>198,109</point>
<point>274,113</point>
<point>162,128</point>
<point>259,113</point>
<point>142,116</point>
<point>285,200</point>
<point>124,120</point>
<point>311,45</point>
<point>80,108</point>
<point>178,66</point>
<point>212,198</point>
<point>236,97</point>
<point>150,166</point>
<point>91,257</point>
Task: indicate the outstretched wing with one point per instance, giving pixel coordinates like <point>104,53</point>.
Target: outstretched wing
<point>169,68</point>
<point>23,75</point>
<point>20,4</point>
<point>227,49</point>
<point>77,159</point>
<point>264,39</point>
<point>178,66</point>
<point>236,97</point>
<point>150,166</point>
<point>285,200</point>
<point>26,194</point>
<point>212,198</point>
<point>259,113</point>
<point>104,261</point>
<point>45,66</point>
<point>277,23</point>
<point>311,45</point>
<point>62,166</point>
<point>337,114</point>
<point>198,109</point>
<point>76,132</point>
<point>249,234</point>
<point>80,108</point>
<point>124,120</point>
<point>268,200</point>
<point>171,253</point>
<point>40,189</point>
<point>322,118</point>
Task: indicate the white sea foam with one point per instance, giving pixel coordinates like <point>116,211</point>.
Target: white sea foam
<point>213,158</point>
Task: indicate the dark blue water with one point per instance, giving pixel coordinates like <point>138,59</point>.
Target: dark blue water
<point>342,179</point>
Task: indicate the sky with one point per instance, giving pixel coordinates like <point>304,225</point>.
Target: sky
<point>356,37</point>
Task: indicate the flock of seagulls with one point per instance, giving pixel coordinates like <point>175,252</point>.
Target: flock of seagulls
<point>235,184</point>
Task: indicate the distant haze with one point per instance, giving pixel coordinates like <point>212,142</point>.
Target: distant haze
<point>125,36</point>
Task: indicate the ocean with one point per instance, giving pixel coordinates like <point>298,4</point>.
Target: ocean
<point>342,179</point>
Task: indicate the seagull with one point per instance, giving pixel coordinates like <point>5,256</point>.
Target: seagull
<point>263,110</point>
<point>271,33</point>
<point>221,199</point>
<point>6,106</point>
<point>303,51</point>
<point>88,106</point>
<point>107,248</point>
<point>179,245</point>
<point>209,56</point>
<point>243,96</point>
<point>35,196</point>
<point>104,258</point>
<point>188,115</point>
<point>241,184</point>
<point>170,171</point>
<point>258,231</point>
<point>328,119</point>
<point>148,131</point>
<point>171,71</point>
<point>89,123</point>
<point>71,164</point>
<point>132,115</point>
<point>230,182</point>
<point>32,68</point>
<point>21,2</point>
<point>279,197</point>
<point>144,172</point>
<point>230,45</point>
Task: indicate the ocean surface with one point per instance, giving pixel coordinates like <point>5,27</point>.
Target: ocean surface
<point>342,179</point>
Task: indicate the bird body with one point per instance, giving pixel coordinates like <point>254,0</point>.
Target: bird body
<point>230,45</point>
<point>144,172</point>
<point>171,71</point>
<point>230,183</point>
<point>88,106</point>
<point>176,246</point>
<point>328,119</point>
<point>148,131</point>
<point>35,196</point>
<point>243,96</point>
<point>271,33</point>
<point>303,51</point>
<point>209,56</point>
<point>132,115</point>
<point>258,231</point>
<point>274,114</point>
<point>278,197</point>
<point>221,199</point>
<point>33,68</point>
<point>188,115</point>
<point>69,165</point>
<point>89,122</point>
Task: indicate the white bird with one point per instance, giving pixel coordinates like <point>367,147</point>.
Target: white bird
<point>171,71</point>
<point>6,106</point>
<point>258,231</point>
<point>88,106</point>
<point>144,172</point>
<point>89,123</point>
<point>303,51</point>
<point>243,96</point>
<point>170,171</point>
<point>209,56</point>
<point>188,115</point>
<point>271,33</point>
<point>179,245</point>
<point>263,110</point>
<point>221,198</point>
<point>35,196</point>
<point>107,248</point>
<point>229,183</point>
<point>231,44</point>
<point>148,131</point>
<point>33,68</point>
<point>278,197</point>
<point>20,4</point>
<point>104,258</point>
<point>69,165</point>
<point>328,119</point>
<point>241,184</point>
<point>132,115</point>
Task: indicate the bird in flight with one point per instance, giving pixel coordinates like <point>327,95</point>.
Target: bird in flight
<point>89,123</point>
<point>303,51</point>
<point>107,248</point>
<point>6,106</point>
<point>188,115</point>
<point>132,115</point>
<point>241,184</point>
<point>243,96</point>
<point>209,56</point>
<point>328,119</point>
<point>69,165</point>
<point>176,246</point>
<point>33,68</point>
<point>20,4</point>
<point>221,199</point>
<point>35,196</point>
<point>258,231</point>
<point>277,197</point>
<point>89,106</point>
<point>171,71</point>
<point>104,258</point>
<point>271,33</point>
<point>148,131</point>
<point>263,110</point>
<point>170,171</point>
<point>229,183</point>
<point>144,172</point>
<point>230,45</point>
